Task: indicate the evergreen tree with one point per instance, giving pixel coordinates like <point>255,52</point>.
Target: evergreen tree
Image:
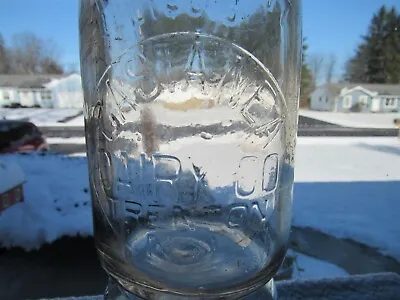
<point>356,67</point>
<point>377,58</point>
<point>392,42</point>
<point>307,83</point>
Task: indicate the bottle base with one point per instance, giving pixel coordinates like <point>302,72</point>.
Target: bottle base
<point>115,291</point>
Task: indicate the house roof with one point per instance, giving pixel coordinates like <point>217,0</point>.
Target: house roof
<point>381,89</point>
<point>27,81</point>
<point>11,175</point>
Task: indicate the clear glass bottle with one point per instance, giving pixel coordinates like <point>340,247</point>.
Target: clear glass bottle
<point>191,117</point>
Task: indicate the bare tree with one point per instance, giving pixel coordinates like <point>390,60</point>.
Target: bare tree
<point>330,67</point>
<point>26,50</point>
<point>4,59</point>
<point>71,68</point>
<point>30,55</point>
<point>49,66</point>
<point>316,64</point>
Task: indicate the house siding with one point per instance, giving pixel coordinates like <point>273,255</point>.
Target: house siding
<point>384,108</point>
<point>319,100</point>
<point>375,97</point>
<point>11,93</point>
<point>340,105</point>
<point>355,99</point>
<point>65,92</point>
<point>11,197</point>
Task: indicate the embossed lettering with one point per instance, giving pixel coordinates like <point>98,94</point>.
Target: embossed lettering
<point>270,172</point>
<point>195,69</point>
<point>237,216</point>
<point>247,178</point>
<point>105,168</point>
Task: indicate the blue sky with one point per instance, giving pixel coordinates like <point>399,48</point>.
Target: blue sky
<point>331,26</point>
<point>336,26</point>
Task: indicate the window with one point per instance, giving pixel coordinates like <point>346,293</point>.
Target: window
<point>326,99</point>
<point>320,99</point>
<point>390,102</point>
<point>6,95</point>
<point>347,101</point>
<point>18,195</point>
<point>363,100</point>
<point>6,201</point>
<point>46,95</point>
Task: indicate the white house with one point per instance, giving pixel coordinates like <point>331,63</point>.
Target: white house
<point>67,91</point>
<point>343,97</point>
<point>58,91</point>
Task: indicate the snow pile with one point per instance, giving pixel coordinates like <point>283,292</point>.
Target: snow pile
<point>356,120</point>
<point>57,202</point>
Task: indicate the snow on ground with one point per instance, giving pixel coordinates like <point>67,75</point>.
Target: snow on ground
<point>356,120</point>
<point>204,116</point>
<point>77,121</point>
<point>71,140</point>
<point>350,191</point>
<point>321,159</point>
<point>199,116</point>
<point>11,175</point>
<point>346,187</point>
<point>212,116</point>
<point>21,114</point>
<point>77,154</point>
<point>307,267</point>
<point>43,116</point>
<point>347,159</point>
<point>56,202</point>
<point>54,116</point>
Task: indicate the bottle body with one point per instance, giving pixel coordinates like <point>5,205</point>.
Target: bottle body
<point>191,120</point>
